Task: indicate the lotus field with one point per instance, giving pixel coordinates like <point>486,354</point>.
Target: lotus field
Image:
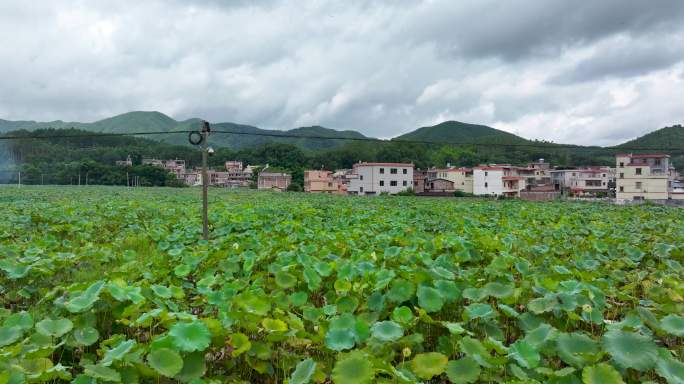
<point>109,285</point>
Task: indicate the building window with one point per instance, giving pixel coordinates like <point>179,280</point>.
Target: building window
<point>403,183</point>
<point>393,171</point>
<point>638,171</point>
<point>486,185</point>
<point>361,189</point>
<point>382,183</point>
<point>657,161</point>
<point>405,171</point>
<point>622,164</point>
<point>382,170</point>
<point>329,184</point>
<point>604,175</point>
<point>622,175</point>
<point>485,176</point>
<point>393,183</point>
<point>638,185</point>
<point>360,177</point>
<point>622,189</point>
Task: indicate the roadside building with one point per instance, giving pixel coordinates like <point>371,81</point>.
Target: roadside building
<point>274,180</point>
<point>500,180</point>
<point>440,185</point>
<point>323,182</point>
<point>584,182</point>
<point>175,166</point>
<point>643,176</point>
<point>462,178</point>
<point>125,163</point>
<point>542,172</point>
<point>236,175</point>
<point>376,178</point>
<point>419,180</point>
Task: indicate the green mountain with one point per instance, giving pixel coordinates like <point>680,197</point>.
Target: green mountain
<point>143,121</point>
<point>667,137</point>
<point>458,132</point>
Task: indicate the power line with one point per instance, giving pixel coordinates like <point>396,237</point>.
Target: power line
<point>546,146</point>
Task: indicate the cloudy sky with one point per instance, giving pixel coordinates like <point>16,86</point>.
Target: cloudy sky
<point>586,72</point>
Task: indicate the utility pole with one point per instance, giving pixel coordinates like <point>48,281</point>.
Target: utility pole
<point>205,182</point>
<point>19,184</point>
<point>79,179</point>
<point>41,179</point>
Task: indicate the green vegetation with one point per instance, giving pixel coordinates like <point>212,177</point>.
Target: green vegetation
<point>113,285</point>
<point>457,132</point>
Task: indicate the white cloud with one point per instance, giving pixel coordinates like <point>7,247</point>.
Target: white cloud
<point>588,73</point>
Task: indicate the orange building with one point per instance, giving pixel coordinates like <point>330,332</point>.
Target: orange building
<point>323,182</point>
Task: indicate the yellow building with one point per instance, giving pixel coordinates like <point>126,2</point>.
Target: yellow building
<point>461,177</point>
<point>643,176</point>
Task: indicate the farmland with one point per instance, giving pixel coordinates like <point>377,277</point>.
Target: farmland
<point>112,285</point>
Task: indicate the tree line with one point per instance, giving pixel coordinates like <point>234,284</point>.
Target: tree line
<point>62,160</point>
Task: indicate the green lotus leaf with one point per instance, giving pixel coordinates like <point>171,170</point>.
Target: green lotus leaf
<point>508,311</point>
<point>541,335</point>
<point>498,290</point>
<point>303,372</point>
<point>54,328</point>
<point>347,304</point>
<point>454,328</point>
<point>84,379</point>
<point>669,368</point>
<point>103,373</point>
<point>14,271</point>
<point>478,311</point>
<point>190,337</point>
<point>339,339</point>
<point>162,291</point>
<point>240,343</point>
<point>194,367</point>
<point>285,280</point>
<point>342,285</point>
<point>324,269</point>
<point>630,350</point>
<point>274,325</point>
<point>463,371</point>
<point>673,324</point>
<point>118,352</point>
<point>86,336</point>
<point>9,335</point>
<point>312,278</point>
<point>22,319</point>
<point>428,365</point>
<point>298,299</point>
<point>86,299</point>
<point>355,369</point>
<point>543,304</point>
<point>253,303</point>
<point>525,354</point>
<point>577,349</point>
<point>402,315</point>
<point>376,302</point>
<point>448,290</point>
<point>601,374</point>
<point>165,361</point>
<point>474,294</point>
<point>401,291</point>
<point>387,331</point>
<point>429,299</point>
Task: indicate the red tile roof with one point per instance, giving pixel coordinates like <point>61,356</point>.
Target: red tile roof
<point>642,155</point>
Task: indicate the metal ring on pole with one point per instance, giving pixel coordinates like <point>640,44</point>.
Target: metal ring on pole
<point>195,138</point>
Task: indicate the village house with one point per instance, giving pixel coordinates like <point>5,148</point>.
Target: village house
<point>125,163</point>
<point>419,180</point>
<point>175,166</point>
<point>236,175</point>
<point>273,180</point>
<point>440,185</point>
<point>323,182</point>
<point>462,178</point>
<point>584,182</point>
<point>542,172</point>
<point>644,177</point>
<point>500,180</point>
<point>377,178</point>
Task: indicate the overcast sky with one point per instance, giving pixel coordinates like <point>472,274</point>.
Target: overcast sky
<point>585,72</point>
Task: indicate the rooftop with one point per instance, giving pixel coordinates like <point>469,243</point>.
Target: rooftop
<point>642,155</point>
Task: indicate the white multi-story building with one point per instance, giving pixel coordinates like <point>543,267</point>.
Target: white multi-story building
<point>376,178</point>
<point>644,177</point>
<point>500,180</point>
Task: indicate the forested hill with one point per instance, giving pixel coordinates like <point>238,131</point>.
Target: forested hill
<point>667,137</point>
<point>141,121</point>
<point>458,132</point>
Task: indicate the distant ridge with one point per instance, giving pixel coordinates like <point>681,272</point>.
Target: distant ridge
<point>667,137</point>
<point>458,132</point>
<point>153,121</point>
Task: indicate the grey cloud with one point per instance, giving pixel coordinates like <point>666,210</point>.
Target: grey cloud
<point>627,58</point>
